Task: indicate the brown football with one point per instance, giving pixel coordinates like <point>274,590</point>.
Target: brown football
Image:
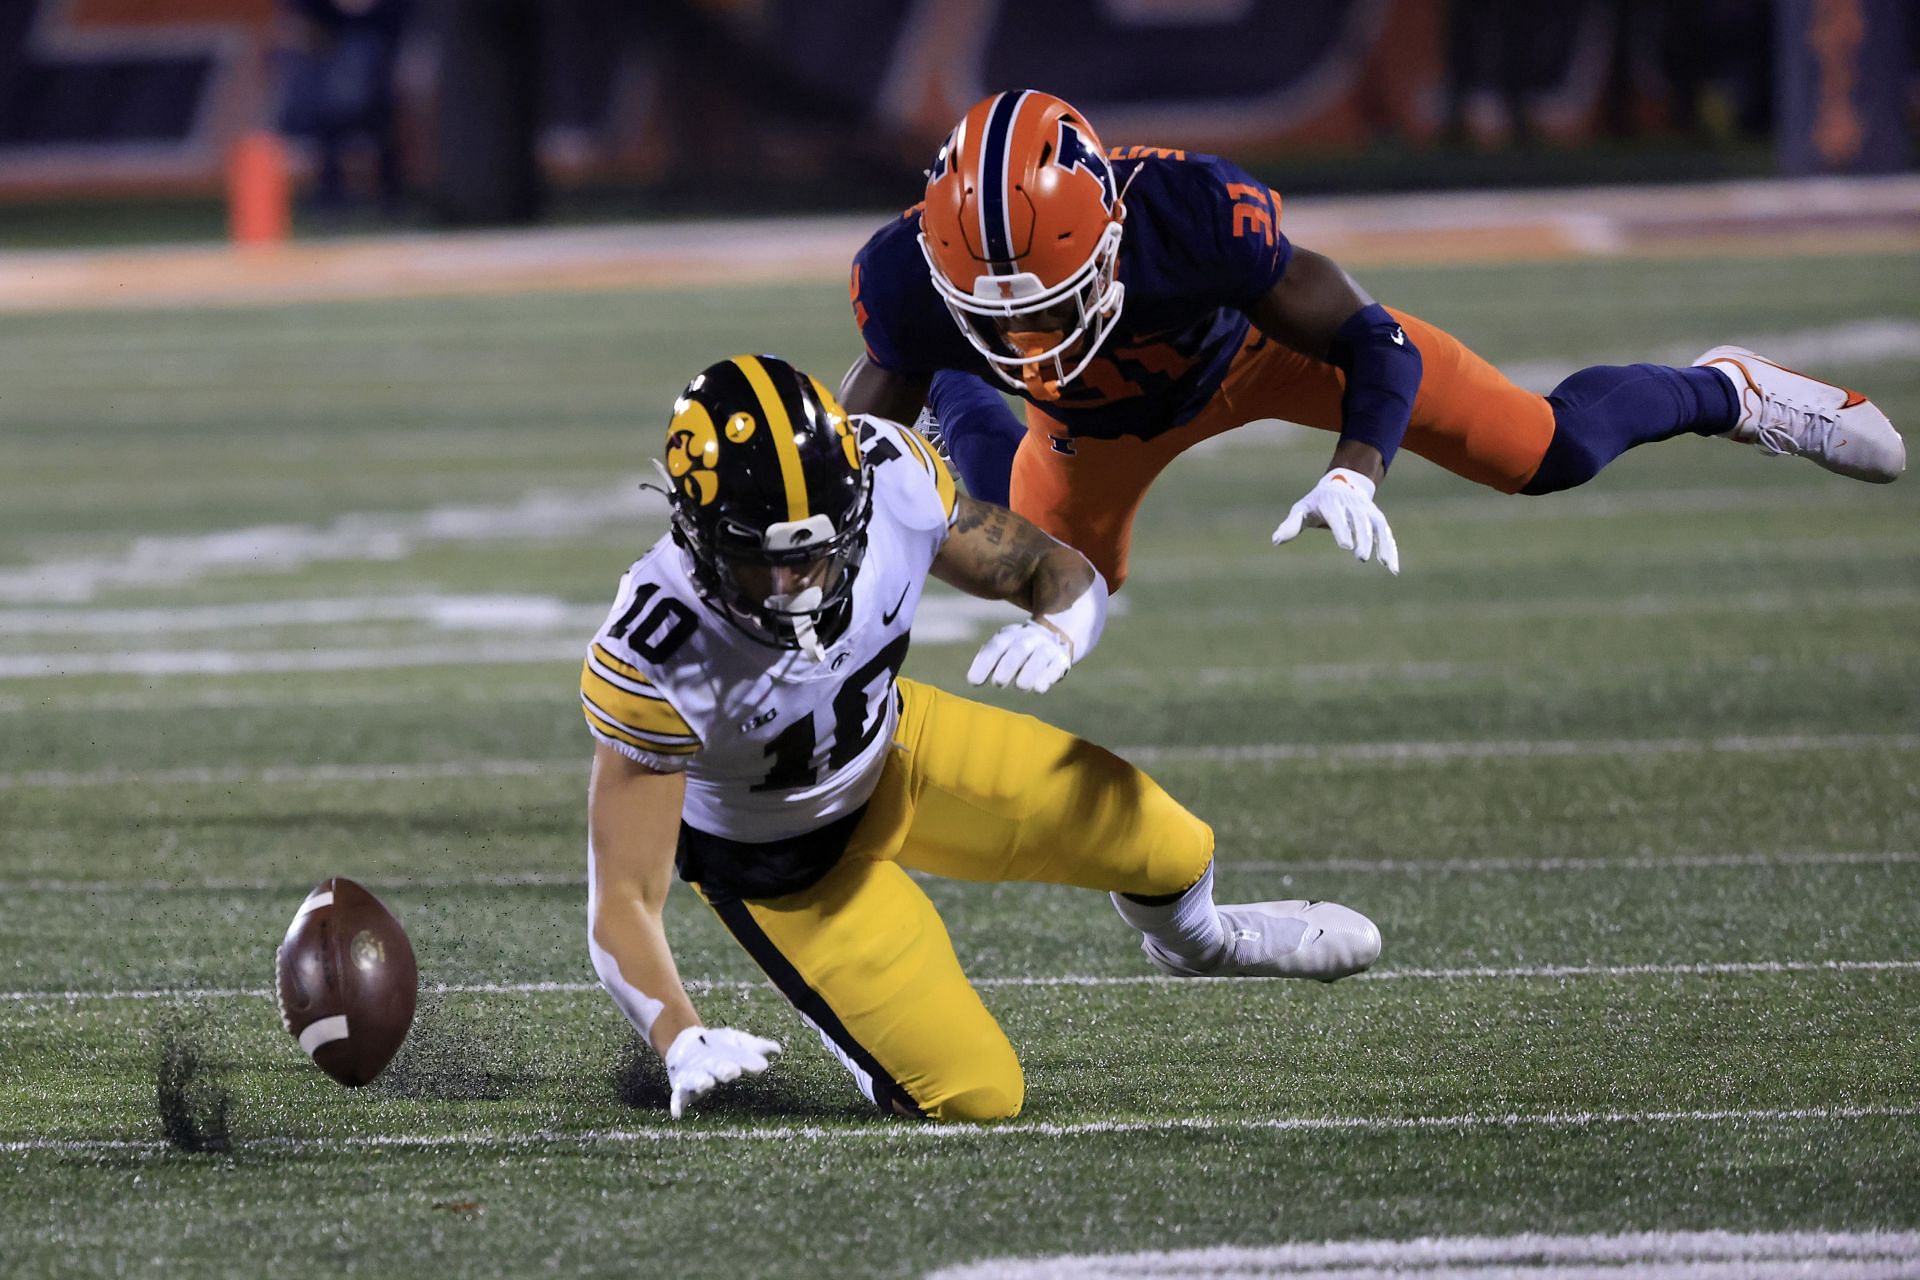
<point>347,981</point>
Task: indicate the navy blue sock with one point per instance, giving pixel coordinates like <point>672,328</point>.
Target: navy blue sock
<point>981,434</point>
<point>1600,413</point>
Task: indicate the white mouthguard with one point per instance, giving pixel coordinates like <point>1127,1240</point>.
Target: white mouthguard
<point>802,604</point>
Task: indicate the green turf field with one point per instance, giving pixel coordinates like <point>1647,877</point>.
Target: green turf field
<point>1630,779</point>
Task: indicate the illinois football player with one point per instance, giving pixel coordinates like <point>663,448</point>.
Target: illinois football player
<point>751,728</point>
<point>1143,299</point>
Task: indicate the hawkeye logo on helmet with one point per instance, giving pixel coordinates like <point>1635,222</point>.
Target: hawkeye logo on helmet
<point>1072,152</point>
<point>786,535</point>
<point>693,452</point>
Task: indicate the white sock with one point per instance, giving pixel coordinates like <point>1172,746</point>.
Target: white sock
<point>1188,927</point>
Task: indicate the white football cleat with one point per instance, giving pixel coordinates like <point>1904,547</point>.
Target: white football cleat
<point>1782,411</point>
<point>1297,938</point>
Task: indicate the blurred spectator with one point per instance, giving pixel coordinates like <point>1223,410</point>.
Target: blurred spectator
<point>336,75</point>
<point>1492,62</point>
<point>486,125</point>
<point>1704,66</point>
<point>1525,72</point>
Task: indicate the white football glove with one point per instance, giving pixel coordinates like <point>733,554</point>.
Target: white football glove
<point>1034,655</point>
<point>1342,504</point>
<point>702,1058</point>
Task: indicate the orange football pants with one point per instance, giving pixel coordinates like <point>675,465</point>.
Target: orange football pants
<point>1467,418</point>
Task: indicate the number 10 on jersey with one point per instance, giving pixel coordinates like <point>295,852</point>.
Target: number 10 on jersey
<point>857,717</point>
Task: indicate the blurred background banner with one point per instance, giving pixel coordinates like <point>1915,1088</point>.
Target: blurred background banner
<point>99,94</point>
<point>480,111</point>
<point>1845,74</point>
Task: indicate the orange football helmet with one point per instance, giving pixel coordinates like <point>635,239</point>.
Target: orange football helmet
<point>1021,232</point>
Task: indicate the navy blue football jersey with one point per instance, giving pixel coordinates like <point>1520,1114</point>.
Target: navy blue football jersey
<point>1202,243</point>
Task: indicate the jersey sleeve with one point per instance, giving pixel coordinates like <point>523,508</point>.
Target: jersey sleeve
<point>1239,251</point>
<point>882,346</point>
<point>902,320</point>
<point>627,708</point>
<point>915,478</point>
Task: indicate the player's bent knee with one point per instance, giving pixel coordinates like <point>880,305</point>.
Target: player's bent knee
<point>981,1082</point>
<point>1182,873</point>
<point>999,1098</point>
<point>1170,888</point>
<point>1181,854</point>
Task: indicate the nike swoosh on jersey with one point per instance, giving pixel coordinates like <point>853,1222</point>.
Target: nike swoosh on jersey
<point>886,619</point>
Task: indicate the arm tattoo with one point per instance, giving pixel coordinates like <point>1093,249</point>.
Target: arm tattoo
<point>970,516</point>
<point>994,553</point>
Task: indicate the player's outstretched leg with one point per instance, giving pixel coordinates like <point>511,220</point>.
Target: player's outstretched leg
<point>1186,935</point>
<point>1783,411</point>
<point>1601,412</point>
<point>984,794</point>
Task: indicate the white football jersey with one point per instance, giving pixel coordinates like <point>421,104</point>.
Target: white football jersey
<point>774,744</point>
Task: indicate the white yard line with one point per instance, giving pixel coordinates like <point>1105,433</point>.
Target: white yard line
<point>1477,866</point>
<point>1447,672</point>
<point>177,559</point>
<point>1857,343</point>
<point>1164,753</point>
<point>1548,609</point>
<point>237,662</point>
<point>547,631</point>
<point>295,695</point>
<point>272,884</point>
<point>187,883</point>
<point>1498,749</point>
<point>442,612</point>
<point>697,985</point>
<point>1649,1255</point>
<point>1719,969</point>
<point>1441,671</point>
<point>246,775</point>
<point>887,1131</point>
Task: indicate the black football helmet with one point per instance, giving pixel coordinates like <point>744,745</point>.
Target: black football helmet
<point>771,499</point>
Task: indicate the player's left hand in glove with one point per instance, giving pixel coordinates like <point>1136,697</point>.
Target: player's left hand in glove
<point>1035,654</point>
<point>700,1059</point>
<point>1342,504</point>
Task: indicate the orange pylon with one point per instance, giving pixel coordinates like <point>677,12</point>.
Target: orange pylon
<point>259,190</point>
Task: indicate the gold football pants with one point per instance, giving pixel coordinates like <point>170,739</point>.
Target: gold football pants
<point>972,793</point>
